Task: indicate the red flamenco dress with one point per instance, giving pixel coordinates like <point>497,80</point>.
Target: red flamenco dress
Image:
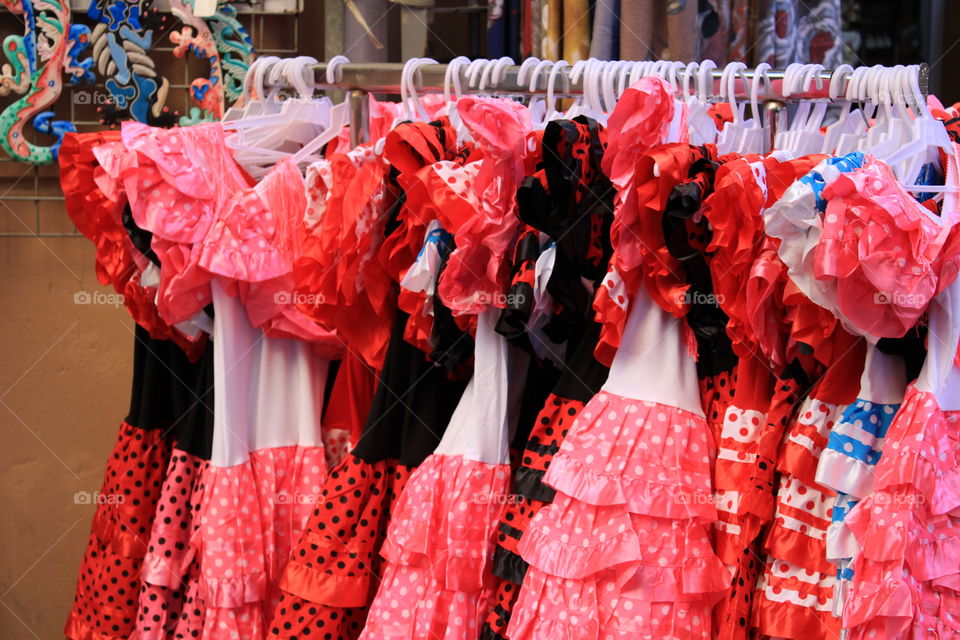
<point>109,582</point>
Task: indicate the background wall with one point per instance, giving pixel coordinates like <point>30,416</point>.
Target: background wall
<point>64,388</point>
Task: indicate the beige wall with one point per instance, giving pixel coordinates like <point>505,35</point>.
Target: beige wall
<point>64,388</point>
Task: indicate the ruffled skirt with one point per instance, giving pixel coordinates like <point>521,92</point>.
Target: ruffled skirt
<point>906,578</point>
<point>437,581</point>
<point>624,548</point>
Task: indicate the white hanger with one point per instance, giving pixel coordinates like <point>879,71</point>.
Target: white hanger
<point>339,117</point>
<point>558,66</point>
<point>494,72</point>
<point>705,81</point>
<point>848,120</point>
<point>246,97</point>
<point>538,106</point>
<point>792,81</point>
<point>729,138</point>
<point>755,132</point>
<point>579,69</point>
<point>452,79</point>
<point>806,137</point>
<point>896,128</point>
<point>280,135</point>
<point>611,73</point>
<point>592,85</point>
<point>928,136</point>
<point>850,142</point>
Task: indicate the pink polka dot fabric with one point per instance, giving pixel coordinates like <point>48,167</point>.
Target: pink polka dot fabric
<point>437,581</point>
<point>253,514</point>
<point>623,551</point>
<point>906,579</point>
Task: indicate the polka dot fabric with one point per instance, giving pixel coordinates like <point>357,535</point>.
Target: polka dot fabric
<point>171,568</point>
<point>627,532</point>
<point>108,587</point>
<point>905,579</point>
<point>253,514</point>
<point>335,567</point>
<point>437,581</point>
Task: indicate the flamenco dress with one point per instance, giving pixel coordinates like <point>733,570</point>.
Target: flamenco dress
<point>854,447</point>
<point>335,569</point>
<point>167,378</point>
<point>567,198</point>
<point>623,550</point>
<point>795,593</point>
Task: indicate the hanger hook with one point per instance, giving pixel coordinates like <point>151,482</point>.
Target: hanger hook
<point>706,69</point>
<point>688,72</point>
<point>333,68</point>
<point>558,66</point>
<point>760,75</point>
<point>537,72</point>
<point>843,72</point>
<point>452,77</point>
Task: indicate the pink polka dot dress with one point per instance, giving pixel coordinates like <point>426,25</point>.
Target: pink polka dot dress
<point>437,581</point>
<point>906,577</point>
<point>266,470</point>
<point>624,549</point>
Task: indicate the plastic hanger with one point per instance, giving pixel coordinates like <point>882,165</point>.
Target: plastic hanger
<point>849,142</point>
<point>239,108</point>
<point>339,118</point>
<point>896,129</point>
<point>755,132</point>
<point>277,136</point>
<point>494,73</point>
<point>298,118</point>
<point>792,79</point>
<point>452,79</point>
<point>608,82</point>
<point>298,124</point>
<point>729,138</point>
<point>701,127</point>
<point>254,92</point>
<point>576,73</point>
<point>806,137</point>
<point>928,137</point>
<point>538,106</point>
<point>849,119</point>
<point>558,66</point>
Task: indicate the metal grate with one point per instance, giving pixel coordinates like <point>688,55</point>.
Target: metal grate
<point>31,202</point>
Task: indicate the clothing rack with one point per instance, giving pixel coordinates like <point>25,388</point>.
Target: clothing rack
<point>360,79</point>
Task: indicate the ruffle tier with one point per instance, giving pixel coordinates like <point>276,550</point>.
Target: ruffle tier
<point>438,551</point>
<point>253,514</point>
<point>652,458</point>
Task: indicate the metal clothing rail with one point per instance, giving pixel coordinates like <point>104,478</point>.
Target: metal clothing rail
<point>359,79</point>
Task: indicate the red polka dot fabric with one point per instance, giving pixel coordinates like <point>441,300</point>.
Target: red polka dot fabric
<point>105,604</point>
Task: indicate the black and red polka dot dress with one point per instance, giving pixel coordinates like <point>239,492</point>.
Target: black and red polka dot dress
<point>109,584</point>
<point>170,604</point>
<point>582,379</point>
<point>335,568</point>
